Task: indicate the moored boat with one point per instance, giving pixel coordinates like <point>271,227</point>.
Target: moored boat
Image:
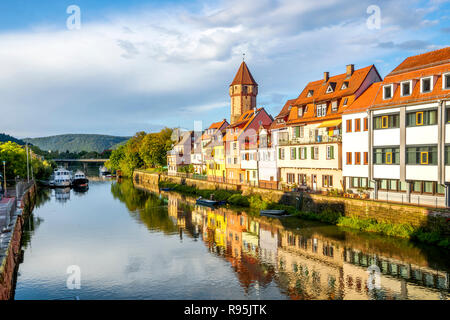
<point>80,180</point>
<point>273,213</point>
<point>104,172</point>
<point>209,203</point>
<point>61,178</point>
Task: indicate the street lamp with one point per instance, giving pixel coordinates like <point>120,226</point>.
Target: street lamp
<point>4,173</point>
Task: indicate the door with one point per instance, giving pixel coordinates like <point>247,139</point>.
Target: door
<point>314,182</point>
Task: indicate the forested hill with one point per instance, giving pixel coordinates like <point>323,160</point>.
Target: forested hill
<point>5,138</point>
<point>77,142</point>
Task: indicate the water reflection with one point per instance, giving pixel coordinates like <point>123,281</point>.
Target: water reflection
<point>134,244</point>
<point>307,260</point>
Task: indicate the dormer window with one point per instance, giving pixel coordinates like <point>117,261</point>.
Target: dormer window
<point>334,106</point>
<point>321,110</point>
<point>388,91</point>
<point>426,85</point>
<point>406,88</point>
<point>345,102</point>
<point>300,112</point>
<point>310,93</point>
<point>446,81</point>
<point>344,85</point>
<point>331,87</point>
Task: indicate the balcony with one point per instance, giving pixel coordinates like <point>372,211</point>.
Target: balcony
<point>310,140</point>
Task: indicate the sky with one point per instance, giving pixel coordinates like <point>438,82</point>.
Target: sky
<point>135,65</point>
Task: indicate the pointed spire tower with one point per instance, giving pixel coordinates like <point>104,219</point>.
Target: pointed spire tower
<point>243,92</point>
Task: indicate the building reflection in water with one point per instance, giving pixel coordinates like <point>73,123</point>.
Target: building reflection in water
<point>309,262</point>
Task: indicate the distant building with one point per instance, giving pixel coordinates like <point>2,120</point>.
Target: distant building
<point>180,155</point>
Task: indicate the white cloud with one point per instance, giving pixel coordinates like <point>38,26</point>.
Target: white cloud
<point>171,67</point>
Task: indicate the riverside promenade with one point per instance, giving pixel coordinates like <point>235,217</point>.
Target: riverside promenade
<point>19,202</point>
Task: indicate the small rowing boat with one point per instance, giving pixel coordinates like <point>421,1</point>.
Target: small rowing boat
<point>277,213</point>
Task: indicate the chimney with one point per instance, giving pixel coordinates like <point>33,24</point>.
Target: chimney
<point>350,69</point>
<point>326,76</point>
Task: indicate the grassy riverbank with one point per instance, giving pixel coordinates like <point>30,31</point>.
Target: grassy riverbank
<point>234,198</point>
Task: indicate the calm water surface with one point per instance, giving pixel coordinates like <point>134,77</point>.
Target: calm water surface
<point>134,244</point>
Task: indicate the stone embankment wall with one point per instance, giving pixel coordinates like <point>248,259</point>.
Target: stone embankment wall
<point>366,209</point>
<point>12,258</point>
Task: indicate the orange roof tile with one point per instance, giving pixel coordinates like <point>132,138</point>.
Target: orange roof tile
<point>416,96</point>
<point>243,76</point>
<point>319,87</point>
<point>364,101</point>
<point>284,113</point>
<point>429,59</point>
<point>343,97</point>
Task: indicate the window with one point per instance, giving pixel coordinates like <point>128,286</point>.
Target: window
<point>424,155</point>
<point>357,158</point>
<point>447,155</point>
<point>315,153</point>
<point>334,106</point>
<point>330,152</point>
<point>310,93</point>
<point>366,124</point>
<point>281,154</point>
<point>321,110</point>
<point>386,122</point>
<point>300,112</point>
<point>366,158</point>
<point>406,88</point>
<point>290,178</point>
<point>446,81</point>
<point>345,101</point>
<point>327,181</point>
<point>357,125</point>
<point>426,85</point>
<point>344,85</point>
<point>388,91</point>
<point>293,153</point>
<point>302,179</point>
<point>386,156</point>
<point>421,118</point>
<point>298,132</point>
<point>330,89</point>
<point>349,126</point>
<point>349,158</point>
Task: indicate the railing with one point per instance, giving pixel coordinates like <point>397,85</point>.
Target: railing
<point>317,139</point>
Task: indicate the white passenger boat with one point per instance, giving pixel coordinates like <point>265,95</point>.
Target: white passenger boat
<point>61,178</point>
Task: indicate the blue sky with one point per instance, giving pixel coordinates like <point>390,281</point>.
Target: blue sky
<point>141,65</point>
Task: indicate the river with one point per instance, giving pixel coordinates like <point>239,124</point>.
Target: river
<point>128,243</point>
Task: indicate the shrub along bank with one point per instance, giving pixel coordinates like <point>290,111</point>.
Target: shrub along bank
<point>327,215</point>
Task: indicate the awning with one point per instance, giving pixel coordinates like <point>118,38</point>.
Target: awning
<point>330,123</point>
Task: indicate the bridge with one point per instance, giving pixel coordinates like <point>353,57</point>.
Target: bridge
<point>82,160</point>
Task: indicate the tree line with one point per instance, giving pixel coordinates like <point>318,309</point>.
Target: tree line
<point>143,150</point>
<point>15,158</point>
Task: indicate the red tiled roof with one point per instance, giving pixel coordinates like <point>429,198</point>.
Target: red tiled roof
<point>320,96</point>
<point>416,96</point>
<point>364,101</point>
<point>429,59</point>
<point>244,120</point>
<point>243,76</point>
<point>319,87</point>
<point>283,114</point>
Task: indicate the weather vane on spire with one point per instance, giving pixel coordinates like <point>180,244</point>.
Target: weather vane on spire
<point>243,57</point>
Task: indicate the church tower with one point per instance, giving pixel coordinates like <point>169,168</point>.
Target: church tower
<point>243,92</point>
